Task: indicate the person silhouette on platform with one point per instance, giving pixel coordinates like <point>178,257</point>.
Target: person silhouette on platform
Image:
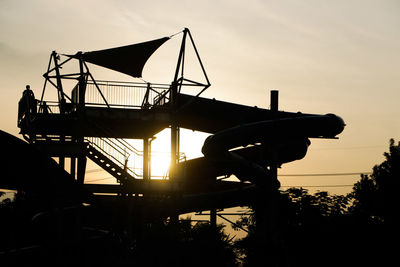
<point>30,100</point>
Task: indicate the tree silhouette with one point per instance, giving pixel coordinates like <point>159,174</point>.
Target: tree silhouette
<point>303,216</point>
<point>375,210</point>
<point>183,244</point>
<point>318,226</point>
<point>375,196</point>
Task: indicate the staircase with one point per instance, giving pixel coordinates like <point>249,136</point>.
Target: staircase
<point>112,155</point>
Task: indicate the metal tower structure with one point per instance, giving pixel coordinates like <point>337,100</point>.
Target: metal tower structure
<point>92,118</point>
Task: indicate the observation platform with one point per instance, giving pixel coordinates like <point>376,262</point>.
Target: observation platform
<point>136,122</point>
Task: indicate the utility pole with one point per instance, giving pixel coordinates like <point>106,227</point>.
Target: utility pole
<point>274,95</point>
<point>272,212</point>
<point>266,208</point>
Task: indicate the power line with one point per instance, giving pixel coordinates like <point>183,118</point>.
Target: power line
<point>324,174</point>
<point>348,148</point>
<point>333,185</point>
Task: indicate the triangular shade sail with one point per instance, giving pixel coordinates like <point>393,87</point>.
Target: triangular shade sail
<point>128,59</point>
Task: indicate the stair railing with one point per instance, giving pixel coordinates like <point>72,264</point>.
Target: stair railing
<point>118,149</point>
<point>113,149</point>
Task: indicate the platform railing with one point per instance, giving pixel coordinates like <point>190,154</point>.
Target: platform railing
<point>51,107</point>
<point>117,94</point>
<point>126,95</point>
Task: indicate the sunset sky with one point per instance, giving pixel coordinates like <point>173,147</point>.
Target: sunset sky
<point>339,57</point>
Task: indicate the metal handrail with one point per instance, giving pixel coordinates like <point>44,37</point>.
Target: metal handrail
<point>131,148</point>
<point>125,94</point>
<point>122,143</point>
<point>124,149</point>
<point>116,156</point>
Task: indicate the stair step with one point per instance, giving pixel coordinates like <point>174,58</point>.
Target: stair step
<point>107,164</point>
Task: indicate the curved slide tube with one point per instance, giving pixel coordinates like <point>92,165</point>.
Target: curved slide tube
<point>270,133</point>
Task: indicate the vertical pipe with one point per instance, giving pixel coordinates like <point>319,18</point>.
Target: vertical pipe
<point>274,101</point>
<point>213,218</point>
<point>174,133</point>
<point>174,148</point>
<point>81,169</point>
<point>268,201</point>
<point>146,159</point>
<point>73,167</point>
<point>82,85</point>
<point>151,140</point>
<point>174,152</point>
<point>274,109</point>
